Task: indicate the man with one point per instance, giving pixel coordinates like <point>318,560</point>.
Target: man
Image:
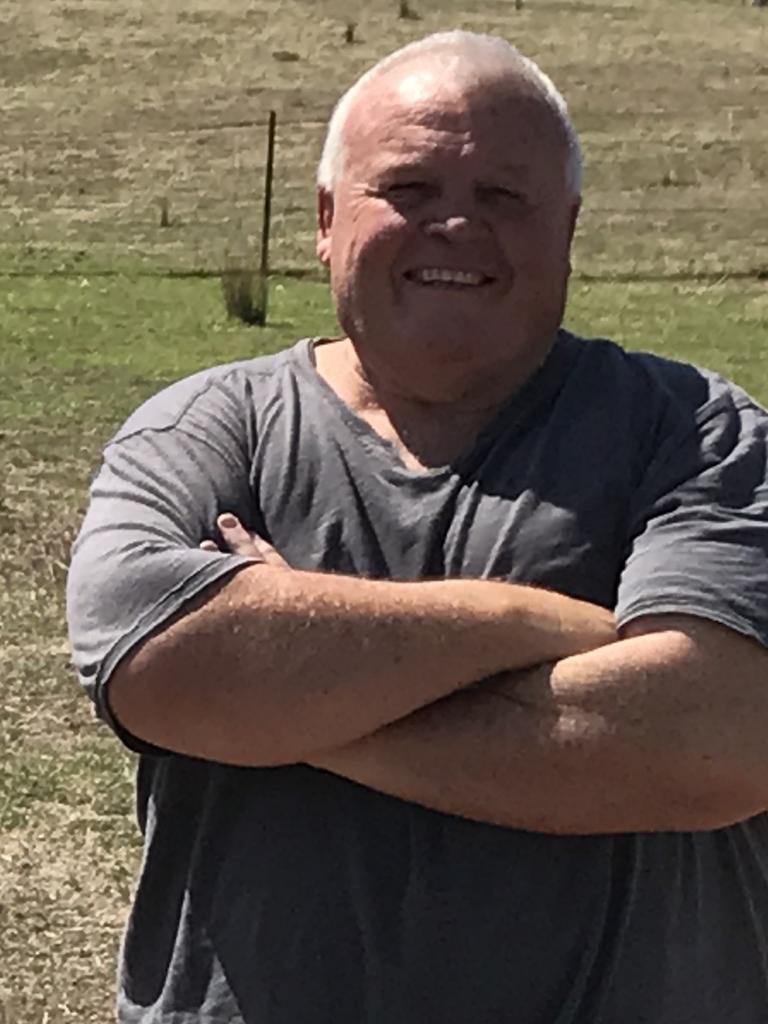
<point>400,762</point>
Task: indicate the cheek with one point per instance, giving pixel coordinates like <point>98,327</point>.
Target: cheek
<point>370,242</point>
<point>540,248</point>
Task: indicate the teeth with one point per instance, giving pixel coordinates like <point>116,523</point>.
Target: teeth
<point>436,274</point>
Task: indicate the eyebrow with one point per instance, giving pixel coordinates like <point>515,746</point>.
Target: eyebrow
<point>402,170</point>
<point>517,169</point>
<point>425,165</point>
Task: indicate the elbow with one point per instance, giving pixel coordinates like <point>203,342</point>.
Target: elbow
<point>715,800</point>
<point>169,704</point>
<point>655,801</point>
<point>134,701</point>
<point>699,789</point>
<point>726,809</point>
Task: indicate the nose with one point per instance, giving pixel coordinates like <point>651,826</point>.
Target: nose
<point>449,225</point>
<point>456,227</point>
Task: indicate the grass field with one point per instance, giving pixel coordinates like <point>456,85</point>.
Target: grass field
<point>108,108</point>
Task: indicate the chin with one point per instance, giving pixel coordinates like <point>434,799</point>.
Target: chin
<point>456,352</point>
<point>454,342</point>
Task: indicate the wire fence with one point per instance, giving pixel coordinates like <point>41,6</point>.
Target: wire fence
<point>688,201</point>
<point>670,100</point>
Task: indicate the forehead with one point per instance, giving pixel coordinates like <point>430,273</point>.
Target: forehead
<point>419,115</point>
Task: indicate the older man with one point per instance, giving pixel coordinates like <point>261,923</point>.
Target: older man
<point>466,721</point>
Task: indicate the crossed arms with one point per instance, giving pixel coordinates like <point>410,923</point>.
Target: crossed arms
<point>484,699</point>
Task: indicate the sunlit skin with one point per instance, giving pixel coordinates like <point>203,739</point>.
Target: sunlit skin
<point>445,177</point>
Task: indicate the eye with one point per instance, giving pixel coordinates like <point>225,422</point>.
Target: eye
<point>407,192</point>
<point>501,194</point>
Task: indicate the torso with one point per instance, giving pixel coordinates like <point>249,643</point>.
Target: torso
<point>311,900</point>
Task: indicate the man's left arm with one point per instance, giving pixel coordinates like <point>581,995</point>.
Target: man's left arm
<point>667,729</point>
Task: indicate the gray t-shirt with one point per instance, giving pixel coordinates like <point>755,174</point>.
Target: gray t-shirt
<point>290,896</point>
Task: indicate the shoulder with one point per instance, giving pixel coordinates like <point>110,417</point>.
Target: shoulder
<point>230,390</point>
<point>675,396</point>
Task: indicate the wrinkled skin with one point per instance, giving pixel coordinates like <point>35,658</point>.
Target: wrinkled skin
<point>449,176</point>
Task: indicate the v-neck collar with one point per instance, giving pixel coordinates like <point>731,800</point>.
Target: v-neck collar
<point>509,419</point>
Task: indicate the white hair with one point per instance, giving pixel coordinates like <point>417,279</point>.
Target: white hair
<point>471,52</point>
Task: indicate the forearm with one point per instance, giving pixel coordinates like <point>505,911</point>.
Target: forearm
<point>620,739</point>
<point>278,664</point>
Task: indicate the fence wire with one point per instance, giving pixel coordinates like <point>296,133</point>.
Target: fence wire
<point>191,200</point>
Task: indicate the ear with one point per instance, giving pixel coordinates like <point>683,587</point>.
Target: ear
<point>573,219</point>
<point>324,225</point>
<point>574,216</point>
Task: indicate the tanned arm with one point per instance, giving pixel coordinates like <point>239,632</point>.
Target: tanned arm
<point>664,730</point>
<point>277,664</point>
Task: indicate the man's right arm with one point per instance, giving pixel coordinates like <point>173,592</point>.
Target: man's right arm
<point>276,664</point>
<point>209,654</point>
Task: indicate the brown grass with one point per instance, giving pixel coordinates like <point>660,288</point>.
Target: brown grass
<point>106,112</point>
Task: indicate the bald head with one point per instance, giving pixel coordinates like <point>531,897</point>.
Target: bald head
<point>480,68</point>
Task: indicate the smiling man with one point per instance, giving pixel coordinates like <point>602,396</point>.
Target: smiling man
<point>446,219</point>
<point>462,718</point>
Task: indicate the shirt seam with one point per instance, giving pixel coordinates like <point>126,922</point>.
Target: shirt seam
<point>162,610</point>
<point>205,389</point>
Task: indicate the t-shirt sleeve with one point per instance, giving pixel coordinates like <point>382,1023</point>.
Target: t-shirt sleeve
<point>699,523</point>
<point>178,462</point>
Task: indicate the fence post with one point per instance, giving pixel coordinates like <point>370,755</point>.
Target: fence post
<point>267,214</point>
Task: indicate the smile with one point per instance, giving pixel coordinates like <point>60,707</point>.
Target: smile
<point>442,275</point>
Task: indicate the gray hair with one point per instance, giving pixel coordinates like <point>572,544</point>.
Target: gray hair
<point>475,53</point>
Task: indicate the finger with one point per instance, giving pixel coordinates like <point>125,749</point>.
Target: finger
<point>270,555</point>
<point>209,545</point>
<point>242,542</point>
<point>237,539</point>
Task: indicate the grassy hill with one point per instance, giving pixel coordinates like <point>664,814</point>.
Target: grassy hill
<point>109,109</point>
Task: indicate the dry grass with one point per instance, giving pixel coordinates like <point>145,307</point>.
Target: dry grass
<point>52,887</point>
<point>61,919</point>
<point>107,108</point>
<point>64,874</point>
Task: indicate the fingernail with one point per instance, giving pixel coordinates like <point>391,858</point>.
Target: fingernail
<point>227,521</point>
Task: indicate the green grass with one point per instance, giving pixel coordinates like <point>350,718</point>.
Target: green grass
<point>721,326</point>
<point>87,350</point>
<point>83,352</point>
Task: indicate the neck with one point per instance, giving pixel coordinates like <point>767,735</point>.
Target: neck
<point>430,420</point>
<point>436,389</point>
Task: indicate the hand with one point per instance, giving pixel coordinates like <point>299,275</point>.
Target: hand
<point>239,541</point>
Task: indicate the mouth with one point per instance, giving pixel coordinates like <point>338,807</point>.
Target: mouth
<point>443,277</point>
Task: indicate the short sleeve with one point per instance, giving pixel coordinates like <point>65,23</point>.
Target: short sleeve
<point>699,522</point>
<point>178,462</point>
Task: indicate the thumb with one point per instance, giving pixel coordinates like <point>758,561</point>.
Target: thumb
<point>240,541</point>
